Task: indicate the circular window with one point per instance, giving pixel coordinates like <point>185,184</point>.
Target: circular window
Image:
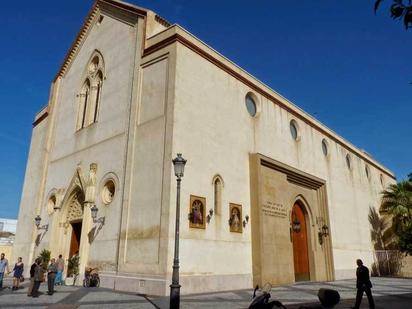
<point>108,192</point>
<point>294,129</point>
<point>251,105</point>
<point>367,171</point>
<point>51,204</point>
<point>325,147</point>
<point>348,161</point>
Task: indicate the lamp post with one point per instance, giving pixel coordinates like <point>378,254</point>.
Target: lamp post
<point>37,221</point>
<point>94,211</point>
<point>179,166</point>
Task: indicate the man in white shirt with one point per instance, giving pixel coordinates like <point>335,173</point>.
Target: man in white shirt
<point>4,265</point>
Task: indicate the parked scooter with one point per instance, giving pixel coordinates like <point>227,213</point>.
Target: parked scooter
<point>91,277</point>
<point>263,300</point>
<point>328,298</point>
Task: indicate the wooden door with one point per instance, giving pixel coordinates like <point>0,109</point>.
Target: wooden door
<point>300,245</point>
<point>75,240</point>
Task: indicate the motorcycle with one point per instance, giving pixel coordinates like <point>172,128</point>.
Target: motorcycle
<point>91,278</point>
<point>327,297</point>
<point>263,301</point>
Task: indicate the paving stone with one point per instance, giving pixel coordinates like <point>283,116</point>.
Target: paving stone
<point>389,293</point>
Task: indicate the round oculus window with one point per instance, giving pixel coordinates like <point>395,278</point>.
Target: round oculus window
<point>250,105</point>
<point>293,130</point>
<point>325,147</point>
<point>108,192</point>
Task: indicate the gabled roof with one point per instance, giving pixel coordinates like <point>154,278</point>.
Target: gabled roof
<point>130,8</point>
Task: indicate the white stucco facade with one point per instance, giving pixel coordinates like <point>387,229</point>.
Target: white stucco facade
<point>165,92</point>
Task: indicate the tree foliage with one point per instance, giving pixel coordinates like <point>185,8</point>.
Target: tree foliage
<point>399,9</point>
<point>73,266</point>
<point>397,201</point>
<point>405,239</point>
<point>382,235</point>
<point>45,258</point>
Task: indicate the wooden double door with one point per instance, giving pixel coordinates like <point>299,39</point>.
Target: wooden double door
<point>300,244</point>
<point>75,239</point>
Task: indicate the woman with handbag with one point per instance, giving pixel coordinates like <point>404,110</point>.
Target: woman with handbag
<point>17,273</point>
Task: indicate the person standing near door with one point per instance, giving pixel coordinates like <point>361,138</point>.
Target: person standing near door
<point>60,269</point>
<point>363,284</point>
<point>51,275</point>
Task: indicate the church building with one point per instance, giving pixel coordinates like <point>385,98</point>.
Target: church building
<point>269,193</point>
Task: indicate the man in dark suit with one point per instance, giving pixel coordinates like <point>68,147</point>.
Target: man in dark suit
<point>363,284</point>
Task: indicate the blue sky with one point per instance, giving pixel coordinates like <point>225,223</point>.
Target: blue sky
<point>335,59</point>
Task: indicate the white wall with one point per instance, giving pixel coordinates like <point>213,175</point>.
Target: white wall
<point>215,133</point>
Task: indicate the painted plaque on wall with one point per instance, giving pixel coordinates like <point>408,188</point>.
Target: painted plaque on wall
<point>197,212</point>
<point>235,219</point>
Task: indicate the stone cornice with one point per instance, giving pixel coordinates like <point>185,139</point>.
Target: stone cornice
<point>41,115</point>
<point>77,41</point>
<point>89,22</point>
<point>293,175</point>
<point>176,34</point>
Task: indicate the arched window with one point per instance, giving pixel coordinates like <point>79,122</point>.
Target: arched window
<point>90,94</point>
<point>84,99</point>
<point>217,186</point>
<point>99,82</point>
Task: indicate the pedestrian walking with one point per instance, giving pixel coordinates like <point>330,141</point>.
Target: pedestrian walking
<point>60,269</point>
<point>51,276</point>
<point>31,284</point>
<point>38,278</point>
<point>4,266</point>
<point>363,284</point>
<point>18,273</point>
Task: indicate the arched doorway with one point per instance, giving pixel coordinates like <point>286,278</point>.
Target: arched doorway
<point>300,244</point>
<point>75,219</point>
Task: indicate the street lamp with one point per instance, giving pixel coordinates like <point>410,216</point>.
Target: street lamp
<point>94,211</point>
<point>179,166</point>
<point>323,232</point>
<point>37,221</point>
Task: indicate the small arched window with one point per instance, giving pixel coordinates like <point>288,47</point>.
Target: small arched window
<point>217,186</point>
<point>99,82</point>
<point>83,102</point>
<point>90,94</point>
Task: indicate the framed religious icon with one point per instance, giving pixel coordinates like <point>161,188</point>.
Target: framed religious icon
<point>235,218</point>
<point>197,212</point>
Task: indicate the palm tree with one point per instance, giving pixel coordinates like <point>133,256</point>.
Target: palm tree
<point>397,201</point>
<point>400,9</point>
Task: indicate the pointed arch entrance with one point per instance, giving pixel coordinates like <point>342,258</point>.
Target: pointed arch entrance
<point>74,217</point>
<point>300,243</point>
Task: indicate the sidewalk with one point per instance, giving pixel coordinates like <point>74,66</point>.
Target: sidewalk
<point>389,293</point>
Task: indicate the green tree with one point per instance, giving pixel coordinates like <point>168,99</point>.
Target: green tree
<point>382,235</point>
<point>397,201</point>
<point>400,9</point>
<point>405,239</point>
<point>73,266</point>
<point>45,258</point>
